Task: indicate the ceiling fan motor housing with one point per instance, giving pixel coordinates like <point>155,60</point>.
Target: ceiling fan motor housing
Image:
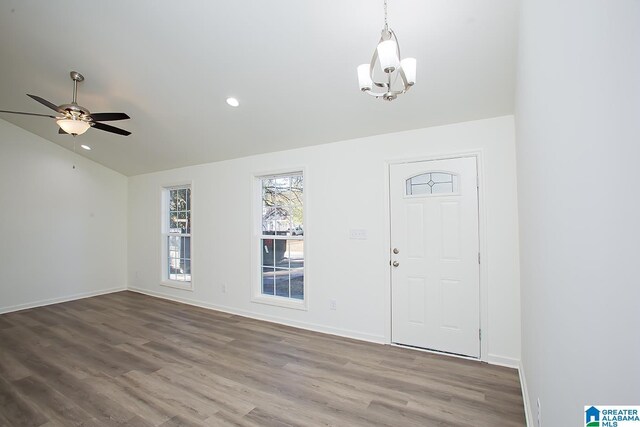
<point>76,110</point>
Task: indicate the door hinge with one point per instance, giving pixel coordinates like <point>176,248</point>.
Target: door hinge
<point>479,334</point>
<point>478,257</point>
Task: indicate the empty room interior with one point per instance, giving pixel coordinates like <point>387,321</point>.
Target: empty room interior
<point>306,213</point>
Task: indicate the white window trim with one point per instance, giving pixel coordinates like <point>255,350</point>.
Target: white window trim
<point>164,280</point>
<point>256,256</point>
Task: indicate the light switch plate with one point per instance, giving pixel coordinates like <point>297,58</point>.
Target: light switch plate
<point>358,234</point>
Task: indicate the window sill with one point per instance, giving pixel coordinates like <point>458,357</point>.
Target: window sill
<point>280,302</point>
<point>185,286</point>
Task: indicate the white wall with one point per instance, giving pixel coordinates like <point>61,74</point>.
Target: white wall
<point>345,184</point>
<point>63,230</point>
<point>578,148</point>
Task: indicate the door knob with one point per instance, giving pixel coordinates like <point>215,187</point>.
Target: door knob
<point>396,251</point>
<point>396,263</point>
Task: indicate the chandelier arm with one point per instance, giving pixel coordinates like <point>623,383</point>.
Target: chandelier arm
<point>392,79</point>
<point>374,94</point>
<point>395,38</point>
<point>381,94</point>
<point>405,83</point>
<point>372,64</point>
<point>373,61</point>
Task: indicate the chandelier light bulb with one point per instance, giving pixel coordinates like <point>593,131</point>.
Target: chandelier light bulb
<point>408,65</point>
<point>364,78</point>
<point>387,52</point>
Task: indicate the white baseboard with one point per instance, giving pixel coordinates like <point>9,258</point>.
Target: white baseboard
<point>346,333</point>
<point>517,364</point>
<point>59,300</point>
<point>525,397</point>
<point>495,359</point>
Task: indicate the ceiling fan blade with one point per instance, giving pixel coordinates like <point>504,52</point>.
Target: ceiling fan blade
<point>105,117</point>
<point>46,103</point>
<point>111,129</point>
<point>27,114</point>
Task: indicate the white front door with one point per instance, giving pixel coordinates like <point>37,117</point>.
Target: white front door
<point>434,250</point>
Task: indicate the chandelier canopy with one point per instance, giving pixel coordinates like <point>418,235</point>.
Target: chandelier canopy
<point>388,75</point>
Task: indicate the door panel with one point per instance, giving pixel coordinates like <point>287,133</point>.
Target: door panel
<point>450,219</point>
<point>416,299</point>
<point>415,240</point>
<point>434,226</point>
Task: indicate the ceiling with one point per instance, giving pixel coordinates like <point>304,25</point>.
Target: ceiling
<point>292,64</point>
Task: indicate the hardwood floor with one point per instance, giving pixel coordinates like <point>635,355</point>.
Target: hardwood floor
<point>135,360</point>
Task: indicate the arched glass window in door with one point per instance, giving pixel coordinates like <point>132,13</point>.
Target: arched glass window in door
<point>432,183</point>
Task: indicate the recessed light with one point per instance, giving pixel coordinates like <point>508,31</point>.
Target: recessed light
<point>233,102</point>
<point>86,147</point>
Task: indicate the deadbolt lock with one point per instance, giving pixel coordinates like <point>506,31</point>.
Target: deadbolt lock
<point>396,251</point>
<point>396,263</point>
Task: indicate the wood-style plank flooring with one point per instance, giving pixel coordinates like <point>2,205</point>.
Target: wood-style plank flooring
<point>130,359</point>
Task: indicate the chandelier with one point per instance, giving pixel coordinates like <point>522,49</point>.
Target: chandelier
<point>387,76</point>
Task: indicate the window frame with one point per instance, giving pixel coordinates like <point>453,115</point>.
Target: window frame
<point>256,250</point>
<point>456,191</point>
<point>164,234</point>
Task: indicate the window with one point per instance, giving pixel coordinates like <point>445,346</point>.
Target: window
<point>432,183</point>
<point>281,238</point>
<point>177,236</point>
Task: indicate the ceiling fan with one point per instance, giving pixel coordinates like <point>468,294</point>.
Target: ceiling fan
<point>75,119</point>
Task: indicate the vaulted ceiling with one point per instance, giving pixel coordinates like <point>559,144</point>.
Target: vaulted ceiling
<point>292,65</point>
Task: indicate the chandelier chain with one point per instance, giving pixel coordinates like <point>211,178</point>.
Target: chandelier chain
<point>386,26</point>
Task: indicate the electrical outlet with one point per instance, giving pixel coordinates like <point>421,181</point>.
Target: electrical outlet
<point>332,304</point>
<point>224,288</point>
<point>539,413</point>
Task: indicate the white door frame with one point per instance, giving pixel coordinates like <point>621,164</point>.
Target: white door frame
<point>484,300</point>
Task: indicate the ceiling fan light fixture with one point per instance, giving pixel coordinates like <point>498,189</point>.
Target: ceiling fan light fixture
<point>73,127</point>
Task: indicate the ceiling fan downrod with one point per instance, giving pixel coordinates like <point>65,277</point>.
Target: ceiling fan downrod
<point>75,111</point>
<point>76,77</point>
